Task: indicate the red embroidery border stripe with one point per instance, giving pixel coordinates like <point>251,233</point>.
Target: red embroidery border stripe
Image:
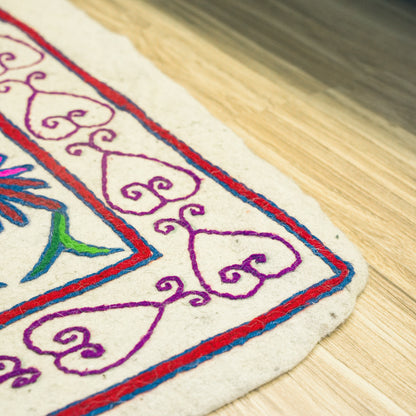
<point>143,251</point>
<point>124,104</point>
<point>115,395</point>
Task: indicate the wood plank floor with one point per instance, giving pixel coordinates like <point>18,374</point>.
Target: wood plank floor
<point>324,90</point>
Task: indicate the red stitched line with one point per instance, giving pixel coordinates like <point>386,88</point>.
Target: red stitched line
<point>125,104</point>
<point>21,182</point>
<point>37,200</point>
<point>115,394</point>
<point>66,290</point>
<point>66,177</point>
<point>143,250</point>
<point>209,347</point>
<point>12,213</point>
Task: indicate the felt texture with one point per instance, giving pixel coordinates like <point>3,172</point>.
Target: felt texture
<point>150,262</point>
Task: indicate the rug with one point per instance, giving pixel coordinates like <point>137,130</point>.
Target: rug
<point>150,263</point>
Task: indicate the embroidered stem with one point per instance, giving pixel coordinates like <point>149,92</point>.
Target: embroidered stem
<point>61,241</point>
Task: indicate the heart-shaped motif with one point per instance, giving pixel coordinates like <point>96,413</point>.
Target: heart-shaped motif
<point>58,115</point>
<point>233,264</point>
<point>136,183</point>
<point>70,113</point>
<point>73,347</point>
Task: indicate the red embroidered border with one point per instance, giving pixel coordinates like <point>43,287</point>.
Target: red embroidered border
<point>116,394</point>
<point>143,251</point>
<point>123,103</point>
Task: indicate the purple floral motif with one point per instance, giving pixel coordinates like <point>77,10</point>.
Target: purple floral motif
<point>22,376</point>
<point>145,195</point>
<point>248,267</point>
<point>70,112</point>
<point>16,54</point>
<point>78,338</point>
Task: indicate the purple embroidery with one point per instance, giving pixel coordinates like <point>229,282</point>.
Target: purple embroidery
<point>150,194</point>
<point>22,376</point>
<point>152,184</point>
<point>52,115</point>
<point>72,112</point>
<point>10,60</point>
<point>76,341</point>
<point>78,338</point>
<point>232,274</point>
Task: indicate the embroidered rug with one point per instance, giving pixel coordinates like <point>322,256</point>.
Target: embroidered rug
<point>150,263</point>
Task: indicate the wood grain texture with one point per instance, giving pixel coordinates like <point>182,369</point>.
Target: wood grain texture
<point>325,91</point>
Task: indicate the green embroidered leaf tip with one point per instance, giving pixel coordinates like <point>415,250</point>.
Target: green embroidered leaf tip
<point>61,241</point>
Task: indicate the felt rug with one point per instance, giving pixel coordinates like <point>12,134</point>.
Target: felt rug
<point>150,263</point>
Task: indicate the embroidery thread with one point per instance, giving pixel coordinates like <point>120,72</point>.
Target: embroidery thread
<point>140,197</point>
<point>22,376</point>
<point>249,267</point>
<point>10,59</point>
<point>78,338</point>
<point>14,189</point>
<point>155,193</point>
<point>152,377</point>
<point>75,111</point>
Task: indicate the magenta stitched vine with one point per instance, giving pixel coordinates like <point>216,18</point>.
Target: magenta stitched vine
<point>72,112</point>
<point>10,60</point>
<point>231,274</point>
<point>52,115</point>
<point>22,376</point>
<point>79,337</point>
<point>155,191</point>
<point>14,190</point>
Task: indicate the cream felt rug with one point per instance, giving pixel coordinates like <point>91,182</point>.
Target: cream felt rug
<point>150,263</point>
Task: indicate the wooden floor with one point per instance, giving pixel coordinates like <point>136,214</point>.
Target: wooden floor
<point>326,91</point>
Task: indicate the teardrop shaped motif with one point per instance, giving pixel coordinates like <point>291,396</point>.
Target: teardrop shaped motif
<point>73,347</point>
<point>147,184</point>
<point>70,113</point>
<point>79,349</point>
<point>233,264</point>
<point>54,115</point>
<point>17,54</point>
<point>136,183</point>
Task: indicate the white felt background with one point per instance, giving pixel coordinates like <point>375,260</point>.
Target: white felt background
<point>236,372</point>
